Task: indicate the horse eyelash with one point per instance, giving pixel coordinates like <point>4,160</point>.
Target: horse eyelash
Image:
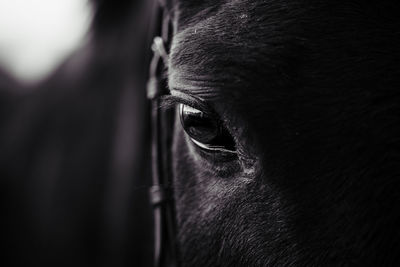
<point>170,101</point>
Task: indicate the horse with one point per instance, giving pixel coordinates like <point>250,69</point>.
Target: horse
<point>285,145</point>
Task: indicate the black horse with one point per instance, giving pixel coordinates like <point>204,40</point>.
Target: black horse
<point>286,142</point>
<point>285,148</point>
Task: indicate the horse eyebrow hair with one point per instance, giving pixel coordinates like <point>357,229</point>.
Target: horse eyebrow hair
<point>202,93</point>
<point>202,88</point>
<point>187,97</point>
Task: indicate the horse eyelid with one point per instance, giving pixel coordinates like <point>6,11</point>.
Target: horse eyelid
<point>169,101</point>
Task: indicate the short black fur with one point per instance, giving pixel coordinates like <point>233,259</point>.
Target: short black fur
<point>310,91</point>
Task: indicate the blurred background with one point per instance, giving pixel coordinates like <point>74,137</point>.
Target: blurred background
<point>73,157</point>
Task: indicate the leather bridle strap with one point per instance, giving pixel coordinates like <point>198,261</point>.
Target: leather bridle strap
<point>161,121</point>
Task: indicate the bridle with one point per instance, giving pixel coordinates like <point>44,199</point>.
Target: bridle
<point>161,194</point>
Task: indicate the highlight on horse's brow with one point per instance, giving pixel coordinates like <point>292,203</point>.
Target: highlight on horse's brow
<point>201,87</point>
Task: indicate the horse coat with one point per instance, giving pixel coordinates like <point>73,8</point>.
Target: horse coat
<point>308,90</point>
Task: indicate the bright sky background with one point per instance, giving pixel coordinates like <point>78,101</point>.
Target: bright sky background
<point>37,35</point>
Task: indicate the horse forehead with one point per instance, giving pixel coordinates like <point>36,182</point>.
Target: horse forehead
<point>225,27</point>
<point>225,44</point>
<point>233,47</point>
<point>209,39</point>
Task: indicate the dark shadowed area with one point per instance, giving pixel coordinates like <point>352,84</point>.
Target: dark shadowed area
<point>73,160</point>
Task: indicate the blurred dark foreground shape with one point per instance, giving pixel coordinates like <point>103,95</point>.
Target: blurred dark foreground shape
<point>73,158</point>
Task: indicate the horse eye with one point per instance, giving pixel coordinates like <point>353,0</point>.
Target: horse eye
<point>205,130</point>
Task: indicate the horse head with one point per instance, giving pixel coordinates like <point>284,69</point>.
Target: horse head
<point>285,147</point>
